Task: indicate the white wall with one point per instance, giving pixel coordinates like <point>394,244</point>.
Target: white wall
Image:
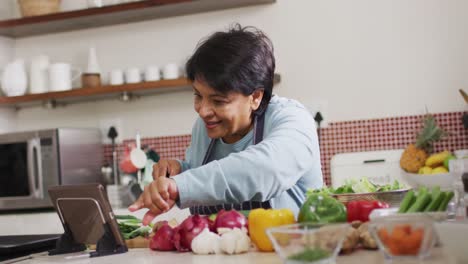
<point>7,120</point>
<point>353,59</point>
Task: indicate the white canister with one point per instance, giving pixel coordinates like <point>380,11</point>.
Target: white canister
<point>116,77</point>
<point>94,3</point>
<point>60,76</point>
<point>171,71</point>
<point>14,79</point>
<point>38,75</point>
<point>132,75</point>
<point>152,73</point>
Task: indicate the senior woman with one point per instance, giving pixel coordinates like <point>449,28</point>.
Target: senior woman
<point>249,148</point>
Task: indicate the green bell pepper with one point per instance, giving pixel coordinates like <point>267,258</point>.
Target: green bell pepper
<point>319,208</point>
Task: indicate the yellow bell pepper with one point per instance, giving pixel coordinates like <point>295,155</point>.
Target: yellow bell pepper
<point>261,219</point>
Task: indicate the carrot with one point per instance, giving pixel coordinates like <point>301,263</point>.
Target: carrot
<point>383,235</point>
<point>403,240</point>
<point>414,240</point>
<point>404,228</point>
<point>399,233</point>
<point>393,248</point>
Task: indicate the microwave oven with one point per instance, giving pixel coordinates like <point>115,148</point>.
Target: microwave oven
<point>31,162</point>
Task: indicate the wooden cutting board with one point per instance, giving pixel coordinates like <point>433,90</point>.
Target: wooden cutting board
<point>138,242</point>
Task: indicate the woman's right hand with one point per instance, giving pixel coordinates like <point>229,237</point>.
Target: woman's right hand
<point>166,167</point>
<point>159,197</point>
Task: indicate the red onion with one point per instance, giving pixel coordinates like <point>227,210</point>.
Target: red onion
<point>212,226</point>
<point>230,219</point>
<point>188,230</point>
<point>163,240</point>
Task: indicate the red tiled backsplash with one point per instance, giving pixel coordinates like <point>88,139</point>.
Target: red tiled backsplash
<point>170,147</point>
<point>339,137</point>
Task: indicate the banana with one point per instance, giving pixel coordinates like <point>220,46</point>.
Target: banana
<point>425,170</point>
<point>439,170</point>
<point>437,159</point>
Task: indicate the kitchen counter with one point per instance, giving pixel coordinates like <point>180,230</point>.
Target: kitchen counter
<point>149,256</point>
<point>49,222</point>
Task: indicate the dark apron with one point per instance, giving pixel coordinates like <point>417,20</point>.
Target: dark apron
<point>212,209</point>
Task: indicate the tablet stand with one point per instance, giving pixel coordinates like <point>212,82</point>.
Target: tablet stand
<point>66,243</point>
<point>106,245</point>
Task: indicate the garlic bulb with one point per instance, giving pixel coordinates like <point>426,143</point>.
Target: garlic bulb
<point>206,243</point>
<point>234,241</point>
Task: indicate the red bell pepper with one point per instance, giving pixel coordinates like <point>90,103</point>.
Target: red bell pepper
<point>360,210</point>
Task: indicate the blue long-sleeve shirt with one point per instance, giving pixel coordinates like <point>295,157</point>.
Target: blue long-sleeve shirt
<point>288,158</point>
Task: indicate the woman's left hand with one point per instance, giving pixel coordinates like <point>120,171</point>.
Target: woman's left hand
<point>159,196</point>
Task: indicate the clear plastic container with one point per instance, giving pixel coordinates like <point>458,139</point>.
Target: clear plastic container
<point>404,238</point>
<point>308,243</point>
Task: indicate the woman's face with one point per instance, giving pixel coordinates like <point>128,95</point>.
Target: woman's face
<point>226,116</point>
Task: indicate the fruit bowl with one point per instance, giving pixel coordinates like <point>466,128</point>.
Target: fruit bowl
<point>400,238</point>
<point>443,180</point>
<point>308,243</point>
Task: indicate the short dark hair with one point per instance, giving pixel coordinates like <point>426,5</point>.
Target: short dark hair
<point>240,60</point>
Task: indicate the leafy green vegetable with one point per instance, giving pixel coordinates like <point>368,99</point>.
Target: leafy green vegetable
<point>132,227</point>
<point>125,217</point>
<point>309,254</point>
<point>140,231</point>
<point>344,189</point>
<point>364,186</point>
<point>361,186</point>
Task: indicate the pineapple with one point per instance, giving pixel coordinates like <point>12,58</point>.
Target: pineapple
<point>415,155</point>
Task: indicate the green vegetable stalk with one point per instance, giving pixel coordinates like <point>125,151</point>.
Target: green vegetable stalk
<point>425,201</point>
<point>408,200</point>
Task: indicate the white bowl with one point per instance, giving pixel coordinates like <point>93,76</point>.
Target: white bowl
<point>444,180</point>
<point>453,237</point>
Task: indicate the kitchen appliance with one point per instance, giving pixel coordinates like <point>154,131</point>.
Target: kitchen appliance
<point>31,162</point>
<point>380,167</point>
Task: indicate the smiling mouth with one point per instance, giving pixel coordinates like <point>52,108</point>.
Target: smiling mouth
<point>211,125</point>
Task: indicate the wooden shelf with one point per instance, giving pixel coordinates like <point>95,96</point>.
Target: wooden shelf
<point>51,99</point>
<point>114,14</point>
<point>95,93</point>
